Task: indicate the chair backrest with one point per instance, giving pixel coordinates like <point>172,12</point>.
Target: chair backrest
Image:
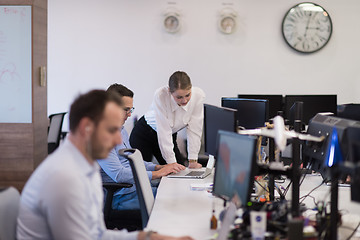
<point>54,132</point>
<point>142,182</point>
<point>9,209</point>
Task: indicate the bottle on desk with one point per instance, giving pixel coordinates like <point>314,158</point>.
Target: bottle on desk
<point>213,221</point>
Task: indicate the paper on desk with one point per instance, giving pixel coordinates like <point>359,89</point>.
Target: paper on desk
<point>201,186</point>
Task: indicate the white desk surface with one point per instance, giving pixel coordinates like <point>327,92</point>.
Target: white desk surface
<point>323,193</point>
<point>350,210</point>
<point>180,211</point>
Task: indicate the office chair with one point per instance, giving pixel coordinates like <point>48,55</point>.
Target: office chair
<point>54,130</point>
<point>142,183</point>
<point>128,219</point>
<point>9,210</point>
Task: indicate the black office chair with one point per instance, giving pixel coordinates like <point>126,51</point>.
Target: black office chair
<point>128,219</point>
<point>142,182</point>
<point>54,130</point>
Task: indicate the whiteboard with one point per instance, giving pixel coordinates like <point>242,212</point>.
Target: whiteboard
<point>15,64</point>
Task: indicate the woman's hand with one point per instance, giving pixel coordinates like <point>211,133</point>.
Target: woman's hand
<point>194,164</point>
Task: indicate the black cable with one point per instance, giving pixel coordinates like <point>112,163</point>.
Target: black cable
<point>302,180</point>
<point>314,200</point>
<point>353,231</point>
<point>261,186</point>
<point>305,196</point>
<point>287,188</point>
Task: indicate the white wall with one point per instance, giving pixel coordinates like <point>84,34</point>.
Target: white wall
<point>94,43</point>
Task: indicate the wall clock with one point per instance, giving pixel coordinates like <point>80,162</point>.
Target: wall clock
<point>172,21</point>
<point>307,27</point>
<point>227,21</point>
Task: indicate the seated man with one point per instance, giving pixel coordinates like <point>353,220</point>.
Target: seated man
<point>118,168</point>
<point>63,198</point>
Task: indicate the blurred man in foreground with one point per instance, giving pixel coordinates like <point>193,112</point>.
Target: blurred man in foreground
<point>63,198</point>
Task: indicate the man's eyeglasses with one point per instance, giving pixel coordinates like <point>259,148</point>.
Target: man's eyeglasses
<point>129,110</point>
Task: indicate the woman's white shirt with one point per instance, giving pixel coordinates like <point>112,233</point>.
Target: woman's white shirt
<point>166,117</point>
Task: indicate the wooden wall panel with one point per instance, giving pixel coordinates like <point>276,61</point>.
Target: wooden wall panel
<point>24,146</point>
<point>16,147</point>
<point>40,119</point>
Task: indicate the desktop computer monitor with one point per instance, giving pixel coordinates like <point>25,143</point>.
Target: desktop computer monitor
<point>252,113</point>
<point>234,166</point>
<point>215,119</point>
<point>312,104</point>
<point>275,102</point>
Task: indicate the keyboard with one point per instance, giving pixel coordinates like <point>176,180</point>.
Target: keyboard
<point>195,173</point>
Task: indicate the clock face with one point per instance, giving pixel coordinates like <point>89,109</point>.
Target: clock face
<point>307,27</point>
<point>227,24</point>
<point>172,23</point>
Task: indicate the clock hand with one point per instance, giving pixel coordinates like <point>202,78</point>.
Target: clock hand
<point>307,25</point>
<point>317,28</point>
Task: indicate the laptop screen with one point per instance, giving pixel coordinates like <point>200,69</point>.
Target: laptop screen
<point>234,166</point>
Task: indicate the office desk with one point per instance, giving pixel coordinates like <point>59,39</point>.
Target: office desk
<point>350,210</point>
<point>180,211</point>
<point>323,194</point>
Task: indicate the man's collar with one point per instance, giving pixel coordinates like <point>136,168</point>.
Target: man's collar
<point>80,159</point>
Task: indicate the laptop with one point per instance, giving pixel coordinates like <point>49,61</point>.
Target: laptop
<point>192,173</point>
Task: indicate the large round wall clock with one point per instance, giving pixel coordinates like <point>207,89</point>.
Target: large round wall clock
<point>307,27</point>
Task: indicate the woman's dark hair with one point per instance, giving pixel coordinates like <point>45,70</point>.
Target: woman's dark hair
<point>91,105</point>
<point>179,80</point>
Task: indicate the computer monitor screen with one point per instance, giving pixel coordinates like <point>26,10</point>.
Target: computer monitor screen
<point>234,166</point>
<point>252,113</point>
<point>312,104</point>
<point>215,119</point>
<point>275,102</point>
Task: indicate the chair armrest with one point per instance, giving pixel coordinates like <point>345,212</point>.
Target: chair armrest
<point>111,188</point>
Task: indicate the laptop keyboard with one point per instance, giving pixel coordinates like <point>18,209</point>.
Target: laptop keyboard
<point>195,173</point>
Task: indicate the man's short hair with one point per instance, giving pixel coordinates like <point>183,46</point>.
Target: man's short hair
<point>91,105</point>
<point>121,89</point>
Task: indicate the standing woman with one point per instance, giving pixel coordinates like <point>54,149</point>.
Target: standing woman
<point>174,107</point>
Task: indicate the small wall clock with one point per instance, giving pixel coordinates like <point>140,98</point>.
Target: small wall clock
<point>227,21</point>
<point>172,21</point>
<point>307,27</point>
